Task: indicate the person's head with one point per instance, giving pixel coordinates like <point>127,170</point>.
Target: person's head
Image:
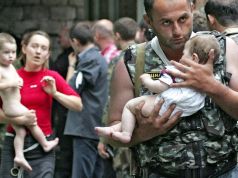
<point>198,4</point>
<point>171,21</point>
<point>199,21</point>
<point>144,33</point>
<point>124,30</point>
<point>199,46</point>
<point>8,49</point>
<point>221,14</point>
<point>64,40</point>
<point>102,32</point>
<point>35,50</point>
<point>80,36</point>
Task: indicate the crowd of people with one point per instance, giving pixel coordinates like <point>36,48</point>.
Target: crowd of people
<point>154,99</point>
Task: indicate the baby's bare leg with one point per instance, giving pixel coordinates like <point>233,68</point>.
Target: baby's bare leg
<point>40,137</point>
<point>128,121</point>
<point>107,131</point>
<point>121,131</point>
<point>19,159</point>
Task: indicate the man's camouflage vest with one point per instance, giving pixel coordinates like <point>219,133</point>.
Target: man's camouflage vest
<point>207,137</point>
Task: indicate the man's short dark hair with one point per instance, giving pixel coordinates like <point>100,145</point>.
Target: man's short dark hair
<point>225,11</point>
<point>148,4</point>
<point>82,33</point>
<point>126,27</point>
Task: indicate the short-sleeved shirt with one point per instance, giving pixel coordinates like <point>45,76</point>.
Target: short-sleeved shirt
<point>34,97</point>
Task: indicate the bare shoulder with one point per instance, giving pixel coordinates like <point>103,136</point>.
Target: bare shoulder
<point>232,62</point>
<point>121,91</point>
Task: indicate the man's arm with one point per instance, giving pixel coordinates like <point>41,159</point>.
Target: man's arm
<point>200,77</point>
<point>122,90</point>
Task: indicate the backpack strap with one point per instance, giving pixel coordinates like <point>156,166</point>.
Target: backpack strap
<point>139,68</point>
<point>230,31</point>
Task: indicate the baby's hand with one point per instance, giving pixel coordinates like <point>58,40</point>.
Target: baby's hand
<point>144,78</point>
<point>72,59</point>
<point>20,82</point>
<point>16,83</point>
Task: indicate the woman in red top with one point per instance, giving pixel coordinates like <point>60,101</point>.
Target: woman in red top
<point>40,87</point>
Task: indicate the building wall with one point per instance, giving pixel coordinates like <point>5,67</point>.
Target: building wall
<point>18,16</point>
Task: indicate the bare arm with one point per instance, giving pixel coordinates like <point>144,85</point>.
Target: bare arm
<point>4,84</point>
<point>69,101</point>
<point>225,97</point>
<point>155,86</point>
<point>122,91</point>
<point>71,67</point>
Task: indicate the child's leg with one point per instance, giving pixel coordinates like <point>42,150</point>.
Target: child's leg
<point>129,119</point>
<point>107,131</point>
<point>19,159</point>
<point>40,137</point>
<point>127,123</point>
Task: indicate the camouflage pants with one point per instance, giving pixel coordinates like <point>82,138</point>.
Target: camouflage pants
<point>230,174</point>
<point>121,162</point>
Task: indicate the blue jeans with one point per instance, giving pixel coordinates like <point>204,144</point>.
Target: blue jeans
<point>230,174</point>
<point>87,163</point>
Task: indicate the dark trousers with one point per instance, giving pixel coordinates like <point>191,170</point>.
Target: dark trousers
<point>109,171</point>
<point>64,151</point>
<point>87,163</point>
<point>64,155</point>
<point>42,163</point>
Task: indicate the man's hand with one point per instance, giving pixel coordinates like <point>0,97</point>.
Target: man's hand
<point>197,76</point>
<point>102,151</point>
<point>155,124</point>
<point>72,59</point>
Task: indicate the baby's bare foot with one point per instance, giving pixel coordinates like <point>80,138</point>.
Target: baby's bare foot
<point>50,144</point>
<point>104,131</point>
<point>21,162</point>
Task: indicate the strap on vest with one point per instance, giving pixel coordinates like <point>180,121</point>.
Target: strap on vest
<point>140,62</point>
<point>139,68</point>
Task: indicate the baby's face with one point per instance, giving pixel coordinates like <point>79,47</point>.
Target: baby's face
<point>8,54</point>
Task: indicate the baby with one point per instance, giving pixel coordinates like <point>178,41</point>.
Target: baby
<point>187,100</point>
<point>10,83</point>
